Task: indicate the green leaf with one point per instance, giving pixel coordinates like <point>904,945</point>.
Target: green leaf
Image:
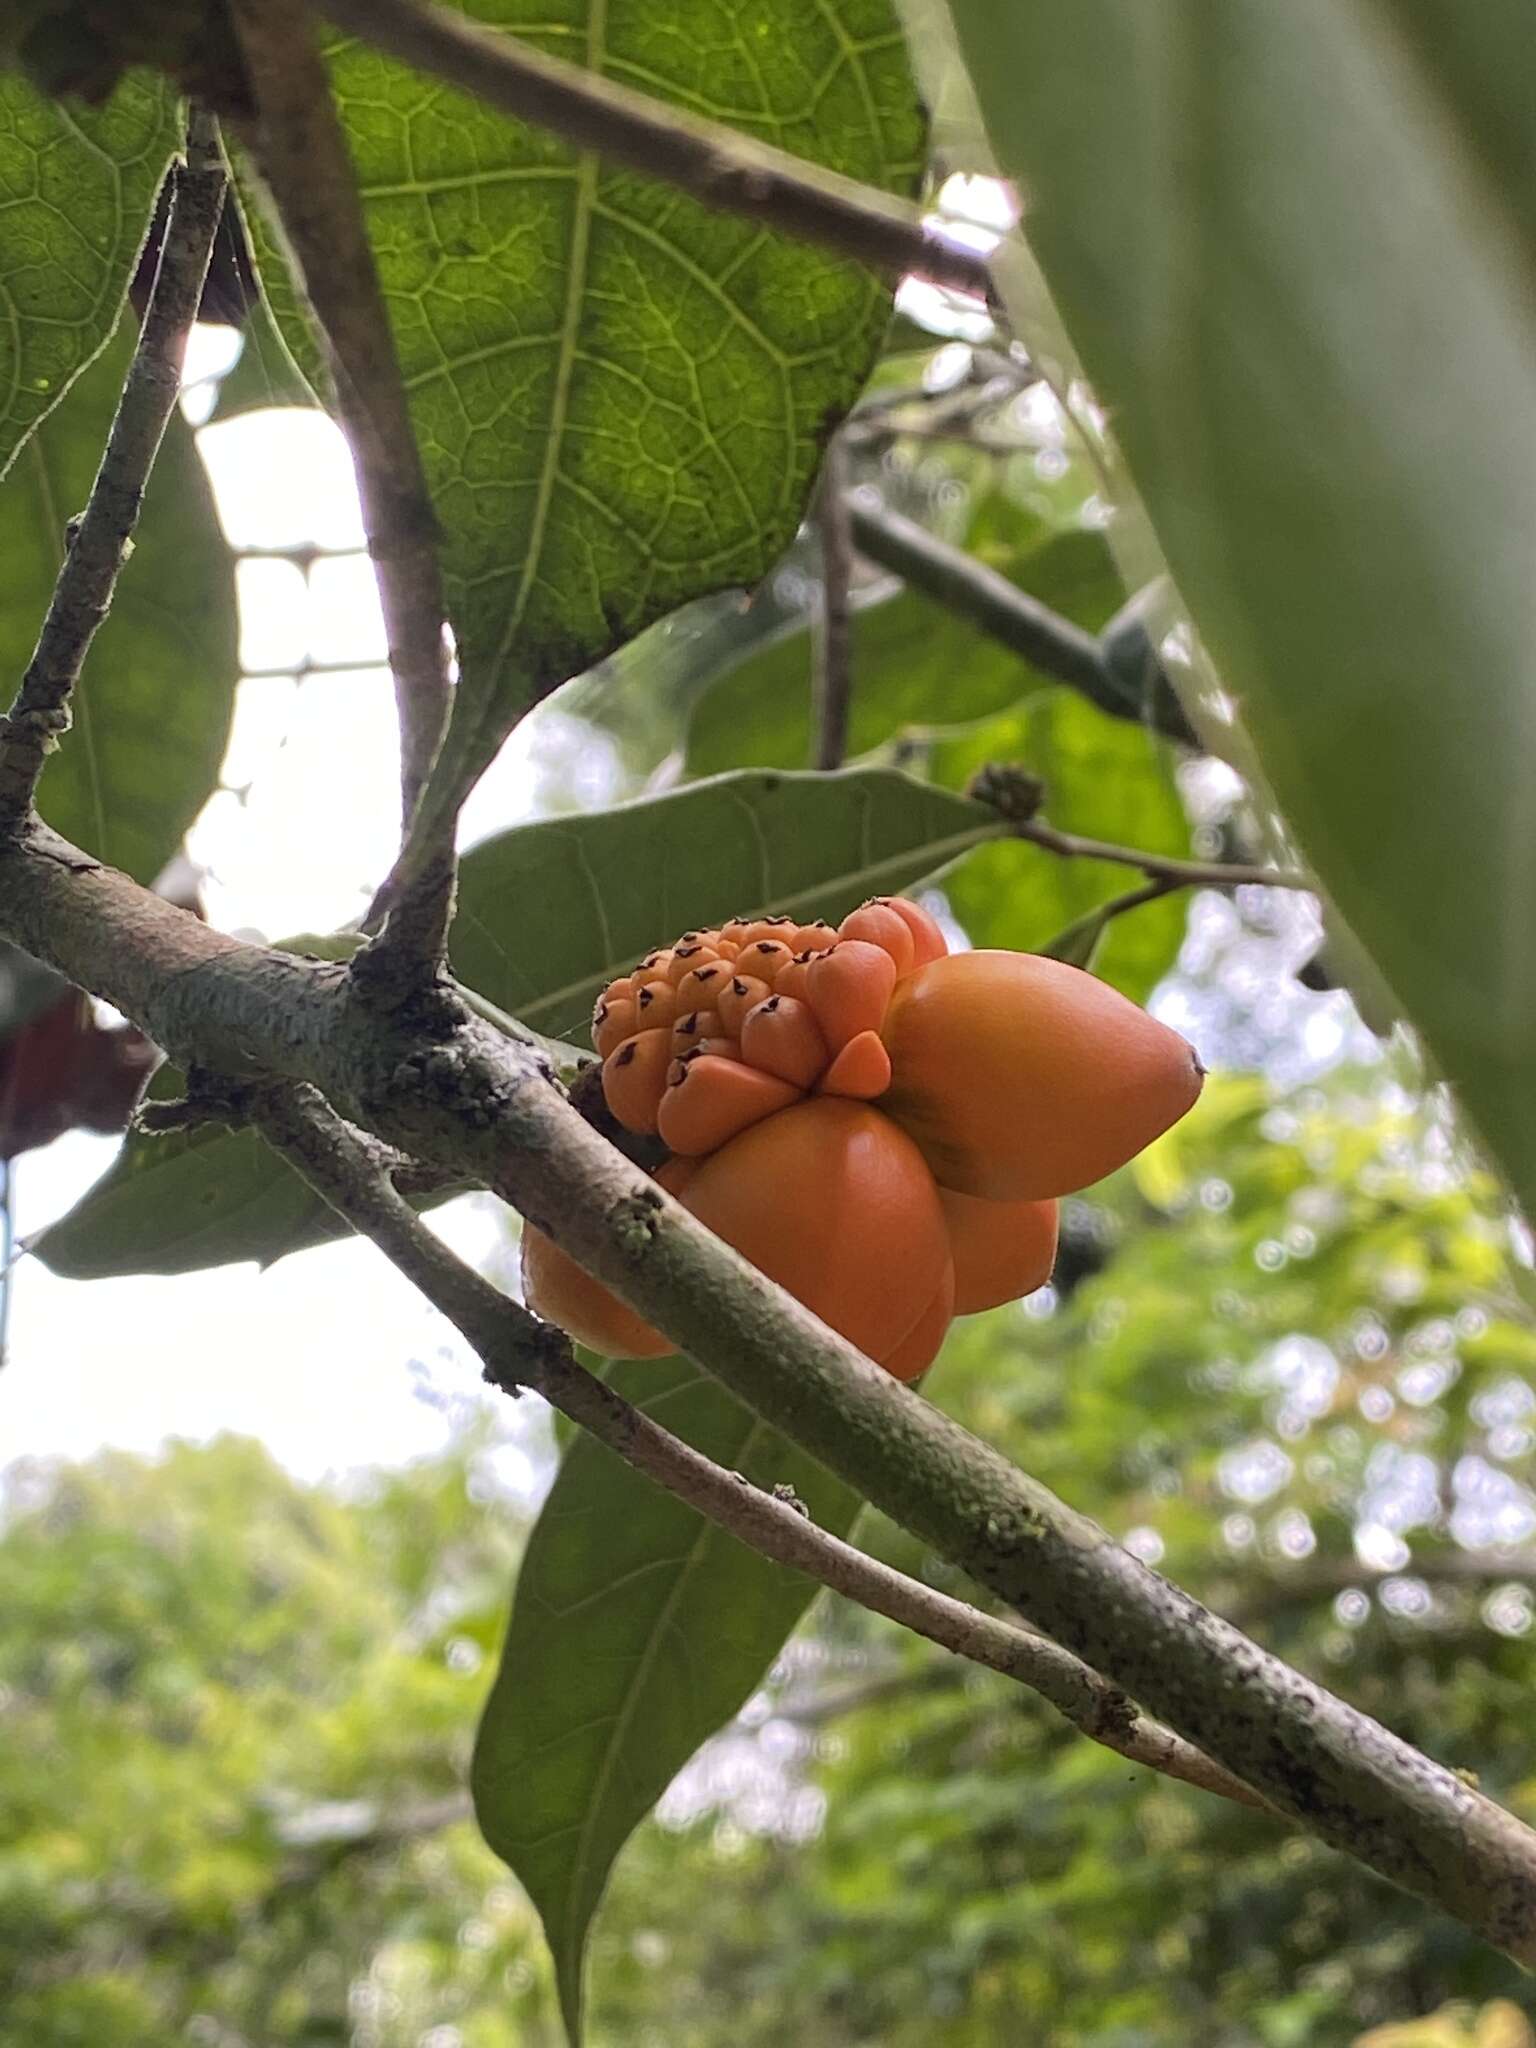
<point>914,664</point>
<point>1294,246</point>
<point>547,914</point>
<point>1105,778</point>
<point>192,1199</point>
<point>77,188</point>
<point>1079,944</point>
<point>152,713</point>
<point>621,395</point>
<point>550,913</point>
<point>264,373</point>
<point>637,1630</point>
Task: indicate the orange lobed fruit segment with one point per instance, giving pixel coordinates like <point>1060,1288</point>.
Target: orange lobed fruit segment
<point>1003,1250</point>
<point>881,926</point>
<point>634,1075</point>
<point>555,1287</point>
<point>764,958</point>
<point>747,931</point>
<point>861,1070</point>
<point>693,1028</point>
<point>850,990</point>
<point>781,1037</point>
<point>743,992</point>
<point>711,1099</point>
<point>655,1005</point>
<point>920,1347</point>
<point>834,1202</point>
<point>615,1019</point>
<point>700,987</point>
<point>793,977</point>
<point>928,940</point>
<point>1021,1078</point>
<point>687,955</point>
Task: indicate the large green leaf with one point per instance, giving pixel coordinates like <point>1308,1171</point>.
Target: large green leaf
<point>548,913</point>
<point>914,664</point>
<point>77,188</point>
<point>191,1199</point>
<point>1295,246</point>
<point>620,394</point>
<point>1104,778</point>
<point>638,1628</point>
<point>151,715</point>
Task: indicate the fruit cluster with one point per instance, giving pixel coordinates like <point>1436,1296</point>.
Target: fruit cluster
<point>881,1126</point>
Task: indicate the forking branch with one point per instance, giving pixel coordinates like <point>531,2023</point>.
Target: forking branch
<point>351,1173</point>
<point>302,155</point>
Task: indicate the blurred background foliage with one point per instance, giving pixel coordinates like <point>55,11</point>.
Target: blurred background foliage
<point>1288,1357</point>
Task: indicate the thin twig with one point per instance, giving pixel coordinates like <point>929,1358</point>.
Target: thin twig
<point>832,675</point>
<point>303,158</point>
<point>1159,867</point>
<point>455,1093</point>
<point>987,600</point>
<point>352,1173</point>
<point>1326,1578</point>
<point>100,541</point>
<point>1080,941</point>
<point>715,164</point>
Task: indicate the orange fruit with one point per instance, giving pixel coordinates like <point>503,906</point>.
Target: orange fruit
<point>834,1202</point>
<point>1020,1078</point>
<point>555,1287</point>
<point>1002,1250</point>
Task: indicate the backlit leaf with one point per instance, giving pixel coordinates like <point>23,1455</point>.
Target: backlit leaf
<point>77,187</point>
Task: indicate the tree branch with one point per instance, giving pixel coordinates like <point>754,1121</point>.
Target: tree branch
<point>1324,1578</point>
<point>714,164</point>
<point>352,1174</point>
<point>1019,622</point>
<point>1159,867</point>
<point>297,142</point>
<point>1016,795</point>
<point>453,1093</point>
<point>1081,940</point>
<point>101,540</point>
<point>832,675</point>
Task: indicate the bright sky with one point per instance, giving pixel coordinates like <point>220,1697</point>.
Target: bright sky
<point>330,1357</point>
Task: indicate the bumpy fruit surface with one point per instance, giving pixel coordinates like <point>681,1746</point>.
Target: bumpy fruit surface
<point>796,1007</point>
<point>1021,1077</point>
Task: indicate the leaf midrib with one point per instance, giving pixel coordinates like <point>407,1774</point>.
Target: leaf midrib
<point>587,170</point>
<point>571,1943</point>
<point>943,851</point>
